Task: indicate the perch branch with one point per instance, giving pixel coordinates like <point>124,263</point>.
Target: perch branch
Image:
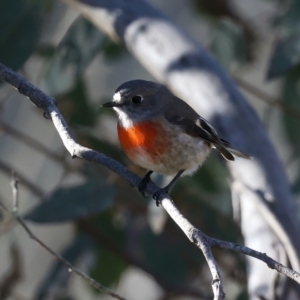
<point>176,59</point>
<point>205,243</point>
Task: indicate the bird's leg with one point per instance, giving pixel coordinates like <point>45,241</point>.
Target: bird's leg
<point>143,183</point>
<point>166,189</point>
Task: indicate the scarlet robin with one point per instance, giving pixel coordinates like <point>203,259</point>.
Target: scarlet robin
<point>162,133</point>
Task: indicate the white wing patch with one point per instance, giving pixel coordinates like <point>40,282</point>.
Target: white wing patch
<point>202,123</point>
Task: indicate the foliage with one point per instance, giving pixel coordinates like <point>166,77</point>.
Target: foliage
<point>286,52</point>
<point>19,30</point>
<point>112,219</point>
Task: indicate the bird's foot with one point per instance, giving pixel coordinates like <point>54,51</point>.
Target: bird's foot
<point>143,183</point>
<point>165,190</point>
<point>158,193</point>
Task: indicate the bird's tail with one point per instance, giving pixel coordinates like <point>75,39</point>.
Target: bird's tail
<point>228,151</point>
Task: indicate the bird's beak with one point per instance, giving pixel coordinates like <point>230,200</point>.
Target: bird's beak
<point>111,104</point>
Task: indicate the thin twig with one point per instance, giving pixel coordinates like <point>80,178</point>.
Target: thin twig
<point>13,275</point>
<point>111,246</point>
<point>103,240</point>
<point>201,241</point>
<point>35,145</point>
<point>267,98</point>
<point>71,268</point>
<point>271,219</point>
<point>204,242</point>
<point>271,263</point>
<point>6,168</point>
<point>14,185</point>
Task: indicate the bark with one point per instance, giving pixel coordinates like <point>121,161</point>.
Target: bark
<point>260,187</point>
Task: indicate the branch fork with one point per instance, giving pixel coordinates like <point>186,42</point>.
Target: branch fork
<point>202,241</point>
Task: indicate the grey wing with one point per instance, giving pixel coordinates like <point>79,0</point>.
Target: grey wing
<point>181,114</point>
<point>202,129</point>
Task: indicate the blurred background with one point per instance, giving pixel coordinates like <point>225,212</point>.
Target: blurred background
<point>88,214</point>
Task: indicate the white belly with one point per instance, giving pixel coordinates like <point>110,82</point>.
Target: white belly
<point>185,153</point>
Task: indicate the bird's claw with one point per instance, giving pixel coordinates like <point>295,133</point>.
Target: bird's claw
<point>141,187</point>
<point>143,183</point>
<point>156,196</point>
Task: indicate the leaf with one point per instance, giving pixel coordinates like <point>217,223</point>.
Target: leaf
<point>163,259</point>
<point>286,53</point>
<point>78,48</point>
<point>58,276</point>
<point>285,56</point>
<point>105,223</point>
<point>291,98</point>
<point>214,8</point>
<point>75,202</point>
<point>20,29</point>
<point>167,256</point>
<point>296,185</point>
<point>206,179</point>
<point>112,51</point>
<point>290,20</point>
<point>108,268</point>
<point>109,265</point>
<point>229,43</point>
<point>103,146</point>
<point>208,213</point>
<point>76,107</point>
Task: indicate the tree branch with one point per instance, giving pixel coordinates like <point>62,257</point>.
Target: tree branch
<point>270,100</point>
<point>19,135</point>
<point>7,170</point>
<point>71,268</point>
<point>202,241</point>
<point>177,60</point>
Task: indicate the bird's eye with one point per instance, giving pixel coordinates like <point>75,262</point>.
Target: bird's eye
<point>136,99</point>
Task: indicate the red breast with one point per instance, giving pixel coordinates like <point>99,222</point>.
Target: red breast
<point>148,136</point>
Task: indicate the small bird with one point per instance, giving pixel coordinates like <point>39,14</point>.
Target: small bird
<point>162,133</point>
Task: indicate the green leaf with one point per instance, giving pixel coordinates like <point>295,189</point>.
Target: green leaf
<point>229,43</point>
<point>103,146</point>
<point>163,258</point>
<point>108,268</point>
<point>214,220</point>
<point>111,50</point>
<point>76,107</point>
<point>289,22</point>
<point>286,53</point>
<point>58,276</point>
<point>109,265</point>
<point>75,202</point>
<point>105,223</point>
<point>20,28</point>
<point>285,56</point>
<point>80,45</point>
<point>212,176</point>
<point>296,185</point>
<point>215,8</point>
<point>291,98</point>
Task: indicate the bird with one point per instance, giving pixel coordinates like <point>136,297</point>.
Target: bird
<point>162,133</point>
